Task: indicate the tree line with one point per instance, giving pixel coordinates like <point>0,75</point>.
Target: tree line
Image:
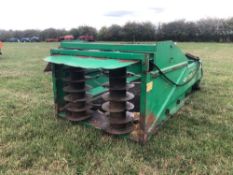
<point>212,29</point>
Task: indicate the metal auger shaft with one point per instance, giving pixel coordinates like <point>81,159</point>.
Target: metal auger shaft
<point>117,107</point>
<point>77,107</point>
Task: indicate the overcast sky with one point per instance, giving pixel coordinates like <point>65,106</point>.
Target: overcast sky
<point>41,14</point>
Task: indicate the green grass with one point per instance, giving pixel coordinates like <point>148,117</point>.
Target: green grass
<point>198,140</point>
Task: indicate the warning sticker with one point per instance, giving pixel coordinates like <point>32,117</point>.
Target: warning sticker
<point>149,86</point>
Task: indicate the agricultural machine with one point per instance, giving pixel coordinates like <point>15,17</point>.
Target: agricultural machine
<point>66,37</point>
<point>123,89</point>
<point>86,38</point>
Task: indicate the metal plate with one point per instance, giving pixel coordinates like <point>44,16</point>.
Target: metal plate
<point>107,97</point>
<point>118,87</point>
<point>106,107</point>
<point>119,132</point>
<point>89,62</point>
<point>116,121</point>
<point>72,98</point>
<point>72,108</point>
<point>99,120</point>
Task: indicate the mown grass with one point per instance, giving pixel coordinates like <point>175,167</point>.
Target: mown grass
<point>198,140</point>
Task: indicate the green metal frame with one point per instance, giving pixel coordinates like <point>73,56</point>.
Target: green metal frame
<point>159,97</point>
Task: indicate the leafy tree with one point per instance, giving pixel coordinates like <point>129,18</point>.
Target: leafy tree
<point>74,32</point>
<point>210,29</point>
<point>103,34</point>
<point>87,30</point>
<point>48,33</point>
<point>132,31</point>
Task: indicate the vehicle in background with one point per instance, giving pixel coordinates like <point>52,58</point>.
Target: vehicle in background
<point>66,37</point>
<point>25,39</point>
<point>87,38</point>
<point>1,45</point>
<point>35,39</point>
<point>13,40</point>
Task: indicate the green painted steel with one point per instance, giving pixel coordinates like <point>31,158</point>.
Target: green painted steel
<point>143,48</point>
<point>99,54</point>
<point>89,63</point>
<point>166,76</point>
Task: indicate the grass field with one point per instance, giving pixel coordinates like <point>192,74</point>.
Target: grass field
<point>198,140</point>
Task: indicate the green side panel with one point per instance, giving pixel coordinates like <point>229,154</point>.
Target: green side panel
<point>89,63</point>
<point>145,48</point>
<point>99,54</point>
<point>164,98</point>
<point>159,97</point>
<point>168,54</point>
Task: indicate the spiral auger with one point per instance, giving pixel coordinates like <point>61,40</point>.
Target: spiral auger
<point>77,106</point>
<point>117,106</point>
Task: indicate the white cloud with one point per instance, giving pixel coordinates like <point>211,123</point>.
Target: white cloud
<point>40,14</point>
